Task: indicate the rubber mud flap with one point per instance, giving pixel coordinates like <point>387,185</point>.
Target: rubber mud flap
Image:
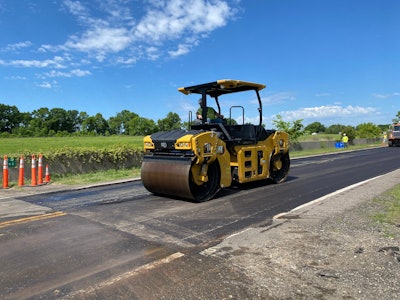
<point>167,176</point>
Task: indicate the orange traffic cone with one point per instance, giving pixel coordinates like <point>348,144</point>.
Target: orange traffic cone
<point>40,169</point>
<point>5,172</point>
<point>47,178</point>
<point>33,171</point>
<point>21,172</point>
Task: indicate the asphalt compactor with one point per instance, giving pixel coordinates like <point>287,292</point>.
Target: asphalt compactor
<point>196,163</point>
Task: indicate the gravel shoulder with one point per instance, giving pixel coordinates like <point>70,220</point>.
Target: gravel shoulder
<point>328,249</point>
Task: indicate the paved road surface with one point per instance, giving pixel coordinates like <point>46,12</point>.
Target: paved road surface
<point>96,239</point>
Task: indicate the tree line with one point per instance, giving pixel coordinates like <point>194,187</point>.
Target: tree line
<point>61,122</point>
<point>296,129</point>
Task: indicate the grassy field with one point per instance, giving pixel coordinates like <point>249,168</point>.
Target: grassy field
<point>14,147</point>
<point>330,150</point>
<point>96,177</point>
<point>320,137</point>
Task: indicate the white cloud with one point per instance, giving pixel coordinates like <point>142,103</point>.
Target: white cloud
<point>182,49</point>
<point>322,95</point>
<point>153,53</point>
<point>17,46</point>
<point>48,85</point>
<point>15,77</point>
<point>164,22</point>
<point>385,96</point>
<point>329,111</point>
<point>278,98</point>
<point>126,60</point>
<point>56,62</point>
<point>171,19</point>
<point>77,8</point>
<point>72,73</point>
<point>110,32</point>
<point>103,40</point>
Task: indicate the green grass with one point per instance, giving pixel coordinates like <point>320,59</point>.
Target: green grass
<point>390,202</point>
<point>320,137</point>
<point>90,178</point>
<point>329,150</point>
<point>95,177</point>
<point>14,147</point>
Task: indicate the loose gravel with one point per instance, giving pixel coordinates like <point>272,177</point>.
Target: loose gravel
<point>331,249</point>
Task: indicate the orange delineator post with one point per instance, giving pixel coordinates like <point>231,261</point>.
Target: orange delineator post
<point>40,169</point>
<point>21,172</point>
<point>5,172</point>
<point>47,178</point>
<point>33,171</point>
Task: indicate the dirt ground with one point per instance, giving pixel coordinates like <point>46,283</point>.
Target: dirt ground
<point>330,249</point>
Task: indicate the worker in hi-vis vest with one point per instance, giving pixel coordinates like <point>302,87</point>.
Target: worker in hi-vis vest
<point>345,140</point>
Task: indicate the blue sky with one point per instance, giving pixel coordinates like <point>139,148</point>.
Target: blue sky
<point>331,61</point>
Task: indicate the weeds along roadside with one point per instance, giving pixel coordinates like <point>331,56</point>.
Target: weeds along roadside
<point>388,214</point>
<point>77,160</point>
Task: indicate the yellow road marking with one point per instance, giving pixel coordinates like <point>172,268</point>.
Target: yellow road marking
<point>123,276</point>
<point>33,218</point>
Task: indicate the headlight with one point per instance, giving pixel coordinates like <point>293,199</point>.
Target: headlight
<point>183,145</point>
<point>148,145</point>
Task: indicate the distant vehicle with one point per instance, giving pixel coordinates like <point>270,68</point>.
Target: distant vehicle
<point>394,135</point>
<point>196,163</point>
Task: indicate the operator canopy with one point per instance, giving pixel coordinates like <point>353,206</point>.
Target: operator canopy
<point>220,87</point>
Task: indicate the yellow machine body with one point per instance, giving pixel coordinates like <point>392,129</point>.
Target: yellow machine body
<point>196,163</point>
<point>254,162</point>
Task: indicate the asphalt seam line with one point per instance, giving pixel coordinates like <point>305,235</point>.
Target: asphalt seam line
<point>31,219</point>
<point>125,275</point>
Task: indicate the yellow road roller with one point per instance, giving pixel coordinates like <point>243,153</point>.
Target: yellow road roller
<point>211,154</point>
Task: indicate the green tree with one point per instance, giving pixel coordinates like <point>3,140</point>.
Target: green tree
<point>38,123</point>
<point>96,124</point>
<point>56,120</point>
<point>231,121</point>
<point>120,124</point>
<point>293,129</point>
<point>368,130</point>
<point>23,129</point>
<point>142,126</point>
<point>397,119</point>
<point>10,118</point>
<point>350,131</point>
<point>73,121</point>
<point>172,121</point>
<point>335,129</point>
<point>383,127</point>
<point>316,127</point>
<point>81,118</point>
<point>115,125</point>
